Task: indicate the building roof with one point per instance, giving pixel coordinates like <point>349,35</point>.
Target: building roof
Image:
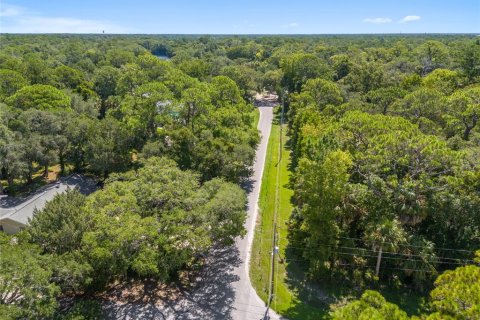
<point>21,209</point>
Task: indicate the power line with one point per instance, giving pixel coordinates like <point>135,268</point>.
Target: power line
<point>391,258</point>
<point>404,269</point>
<point>412,245</point>
<point>454,260</point>
<point>370,250</point>
<point>365,266</point>
<point>383,257</point>
<point>398,244</point>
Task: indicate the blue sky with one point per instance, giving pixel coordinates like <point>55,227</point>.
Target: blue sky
<point>240,17</point>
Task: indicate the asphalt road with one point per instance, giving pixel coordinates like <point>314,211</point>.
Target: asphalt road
<point>247,302</point>
<point>222,290</point>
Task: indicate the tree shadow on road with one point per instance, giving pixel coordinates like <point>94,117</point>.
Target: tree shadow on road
<point>210,295</point>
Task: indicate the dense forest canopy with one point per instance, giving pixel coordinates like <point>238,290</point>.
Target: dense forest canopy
<point>385,139</point>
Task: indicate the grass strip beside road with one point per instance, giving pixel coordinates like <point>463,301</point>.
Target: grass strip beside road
<point>286,300</point>
<point>255,117</point>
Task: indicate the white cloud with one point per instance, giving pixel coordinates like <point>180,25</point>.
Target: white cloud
<point>10,11</point>
<point>377,20</point>
<point>290,25</point>
<point>410,19</point>
<point>18,20</point>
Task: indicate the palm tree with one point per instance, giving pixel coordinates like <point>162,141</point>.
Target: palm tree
<point>384,235</point>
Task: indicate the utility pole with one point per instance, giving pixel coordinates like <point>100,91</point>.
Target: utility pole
<point>272,266</point>
<point>379,259</point>
<point>275,248</point>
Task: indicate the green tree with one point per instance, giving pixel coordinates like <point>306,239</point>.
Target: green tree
<point>25,289</point>
<point>443,80</point>
<point>366,76</point>
<point>245,77</point>
<point>457,293</point>
<point>432,55</point>
<point>127,243</point>
<point>108,147</point>
<point>146,109</point>
<point>372,305</point>
<point>456,296</point>
<point>464,107</point>
<point>383,98</point>
<point>272,80</point>
<point>12,156</point>
<point>299,67</point>
<point>196,103</point>
<point>385,234</point>
<point>78,136</point>
<point>68,77</point>
<point>469,60</point>
<point>424,106</point>
<point>104,83</point>
<point>130,78</point>
<point>225,92</point>
<point>321,193</point>
<point>196,68</point>
<point>118,57</point>
<point>45,132</point>
<point>41,97</point>
<point>223,210</point>
<point>82,310</point>
<point>323,92</point>
<point>341,64</point>
<point>59,226</point>
<point>158,221</point>
<point>11,81</point>
<point>393,172</point>
<point>6,137</point>
<point>37,69</point>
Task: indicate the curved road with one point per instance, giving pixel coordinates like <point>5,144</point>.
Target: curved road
<point>222,290</point>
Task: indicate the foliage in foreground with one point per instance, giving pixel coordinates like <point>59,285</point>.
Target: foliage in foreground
<point>26,290</point>
<point>456,296</point>
<point>147,223</point>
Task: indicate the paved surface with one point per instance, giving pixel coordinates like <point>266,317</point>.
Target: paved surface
<point>223,289</point>
<point>21,209</point>
<point>247,302</point>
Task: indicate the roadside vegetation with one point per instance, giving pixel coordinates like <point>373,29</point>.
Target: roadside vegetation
<point>385,189</point>
<point>294,295</point>
<point>379,179</point>
<point>375,173</point>
<point>290,286</point>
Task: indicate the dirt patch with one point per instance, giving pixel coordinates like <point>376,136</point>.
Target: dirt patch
<point>137,291</point>
<point>266,99</point>
<point>53,174</point>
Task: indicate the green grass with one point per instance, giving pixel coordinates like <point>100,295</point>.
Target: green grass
<point>256,117</point>
<point>289,282</point>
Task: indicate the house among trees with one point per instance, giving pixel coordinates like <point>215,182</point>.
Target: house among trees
<point>16,212</point>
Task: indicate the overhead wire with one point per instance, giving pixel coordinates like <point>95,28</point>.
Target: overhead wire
<point>399,244</point>
<point>383,252</point>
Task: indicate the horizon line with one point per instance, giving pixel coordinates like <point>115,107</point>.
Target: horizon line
<point>243,34</point>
